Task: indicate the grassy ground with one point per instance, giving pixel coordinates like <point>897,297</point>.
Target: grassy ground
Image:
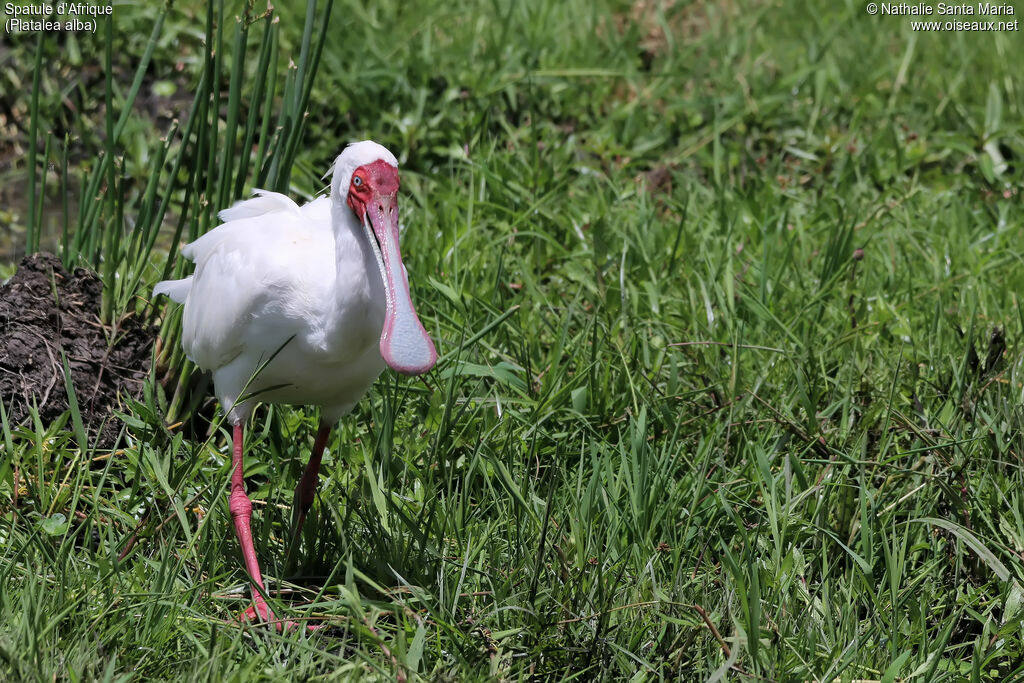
<point>726,299</point>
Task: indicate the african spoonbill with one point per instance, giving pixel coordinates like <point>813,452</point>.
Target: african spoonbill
<point>301,305</point>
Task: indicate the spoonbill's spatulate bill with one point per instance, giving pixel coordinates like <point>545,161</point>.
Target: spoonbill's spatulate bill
<point>315,298</point>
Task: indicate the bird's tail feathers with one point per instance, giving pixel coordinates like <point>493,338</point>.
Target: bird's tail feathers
<point>176,289</point>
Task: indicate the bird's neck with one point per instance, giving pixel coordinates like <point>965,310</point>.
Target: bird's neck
<point>357,272</point>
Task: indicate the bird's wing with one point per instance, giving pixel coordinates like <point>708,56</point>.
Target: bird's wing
<point>264,202</point>
<point>266,208</point>
<point>244,269</point>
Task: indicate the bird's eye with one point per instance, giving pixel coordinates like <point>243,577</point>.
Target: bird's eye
<point>357,181</point>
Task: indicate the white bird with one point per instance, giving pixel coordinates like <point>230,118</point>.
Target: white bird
<point>302,305</point>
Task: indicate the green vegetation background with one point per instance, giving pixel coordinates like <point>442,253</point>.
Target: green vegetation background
<point>726,297</point>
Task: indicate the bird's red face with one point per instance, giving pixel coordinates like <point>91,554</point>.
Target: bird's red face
<point>373,197</point>
<point>375,182</point>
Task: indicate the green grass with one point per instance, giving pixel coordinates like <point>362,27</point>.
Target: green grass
<point>720,294</point>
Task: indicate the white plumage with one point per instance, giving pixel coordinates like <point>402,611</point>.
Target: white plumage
<point>302,282</point>
<point>303,305</point>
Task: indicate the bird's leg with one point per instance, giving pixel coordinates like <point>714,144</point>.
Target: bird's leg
<point>305,492</point>
<point>241,513</point>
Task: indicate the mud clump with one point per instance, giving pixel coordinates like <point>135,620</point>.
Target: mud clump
<point>45,310</point>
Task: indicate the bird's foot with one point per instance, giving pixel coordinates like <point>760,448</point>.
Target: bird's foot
<point>260,612</point>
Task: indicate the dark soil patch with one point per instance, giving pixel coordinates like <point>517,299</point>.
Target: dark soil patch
<point>45,310</point>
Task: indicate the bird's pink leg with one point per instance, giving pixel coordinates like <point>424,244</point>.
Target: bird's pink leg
<point>305,492</point>
<point>241,513</point>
